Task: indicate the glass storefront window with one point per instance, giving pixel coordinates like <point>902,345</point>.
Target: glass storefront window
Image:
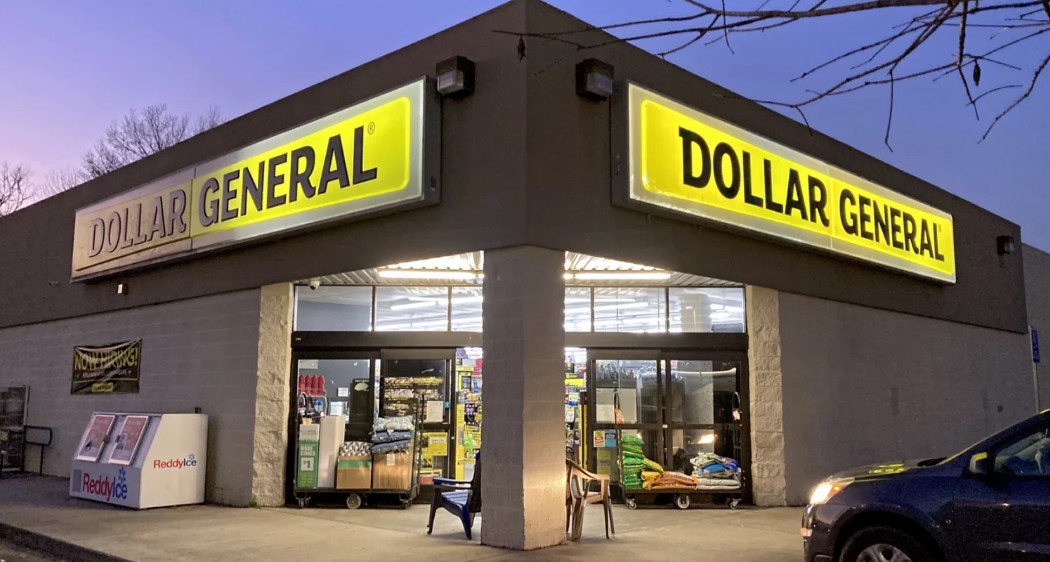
<point>707,309</point>
<point>333,309</point>
<point>630,309</point>
<point>346,385</point>
<point>627,386</point>
<point>577,309</point>
<point>411,309</point>
<point>703,392</point>
<point>466,309</point>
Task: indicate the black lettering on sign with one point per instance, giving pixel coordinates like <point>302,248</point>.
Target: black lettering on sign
<point>818,199</point>
<point>728,189</point>
<point>865,217</point>
<point>98,237</point>
<point>770,203</point>
<point>795,199</point>
<point>360,175</point>
<point>177,213</point>
<point>139,236</point>
<point>250,188</point>
<point>909,233</point>
<point>125,242</point>
<point>273,180</point>
<point>936,243</point>
<point>848,219</point>
<point>749,197</point>
<point>881,222</point>
<point>895,228</point>
<point>689,139</point>
<point>925,241</point>
<point>113,231</point>
<point>157,225</point>
<point>229,194</point>
<point>334,166</point>
<point>208,209</point>
<point>300,177</point>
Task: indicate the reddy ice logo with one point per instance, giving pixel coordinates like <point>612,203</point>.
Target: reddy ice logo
<point>105,488</point>
<point>189,462</point>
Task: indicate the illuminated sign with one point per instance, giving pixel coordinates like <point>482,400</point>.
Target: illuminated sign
<point>690,163</point>
<point>369,158</point>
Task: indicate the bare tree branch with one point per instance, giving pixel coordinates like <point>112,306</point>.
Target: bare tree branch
<point>140,134</point>
<point>892,58</point>
<point>14,187</point>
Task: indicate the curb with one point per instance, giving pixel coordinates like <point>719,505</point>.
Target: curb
<point>51,546</point>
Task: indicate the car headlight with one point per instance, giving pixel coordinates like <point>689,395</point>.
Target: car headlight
<point>826,490</point>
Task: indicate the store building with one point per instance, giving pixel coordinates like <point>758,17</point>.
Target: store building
<point>722,274</point>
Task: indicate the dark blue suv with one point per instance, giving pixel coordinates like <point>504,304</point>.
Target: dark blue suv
<point>989,502</point>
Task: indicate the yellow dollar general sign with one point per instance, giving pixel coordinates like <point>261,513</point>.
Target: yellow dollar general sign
<point>372,157</point>
<point>691,163</point>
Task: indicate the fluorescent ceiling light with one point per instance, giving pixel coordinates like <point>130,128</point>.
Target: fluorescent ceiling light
<point>429,275</point>
<point>619,276</point>
<point>414,305</point>
<point>707,438</point>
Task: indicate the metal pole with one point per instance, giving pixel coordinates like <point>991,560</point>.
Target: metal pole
<point>1035,370</point>
<point>1035,381</point>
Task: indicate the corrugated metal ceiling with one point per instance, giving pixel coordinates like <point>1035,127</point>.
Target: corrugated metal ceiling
<point>473,262</point>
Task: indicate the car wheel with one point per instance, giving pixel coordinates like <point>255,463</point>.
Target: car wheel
<point>883,544</point>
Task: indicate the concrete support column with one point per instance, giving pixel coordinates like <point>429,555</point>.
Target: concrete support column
<point>271,394</point>
<point>523,457</point>
<point>767,397</point>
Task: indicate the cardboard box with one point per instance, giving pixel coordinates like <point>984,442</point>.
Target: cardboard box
<point>392,472</point>
<point>353,473</point>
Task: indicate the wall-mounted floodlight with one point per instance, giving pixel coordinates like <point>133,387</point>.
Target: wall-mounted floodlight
<point>594,79</point>
<point>455,77</point>
<point>1005,245</point>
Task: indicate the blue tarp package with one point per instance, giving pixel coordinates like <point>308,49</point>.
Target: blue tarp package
<point>392,447</point>
<point>390,436</point>
<point>714,471</point>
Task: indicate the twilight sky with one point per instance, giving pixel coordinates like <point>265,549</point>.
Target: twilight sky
<point>68,68</point>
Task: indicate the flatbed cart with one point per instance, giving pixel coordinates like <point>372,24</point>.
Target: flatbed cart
<point>354,498</point>
<point>681,498</point>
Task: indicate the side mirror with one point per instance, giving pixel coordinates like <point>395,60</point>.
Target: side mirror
<point>980,465</point>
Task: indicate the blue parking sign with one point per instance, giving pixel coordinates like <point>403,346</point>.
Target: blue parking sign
<point>1035,346</point>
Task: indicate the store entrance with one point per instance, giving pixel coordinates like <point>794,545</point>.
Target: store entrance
<point>340,396</point>
<point>681,405</point>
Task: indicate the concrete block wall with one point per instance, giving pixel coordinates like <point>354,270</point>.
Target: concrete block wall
<point>271,394</point>
<point>202,352</point>
<point>862,385</point>
<point>766,404</point>
<point>1037,296</point>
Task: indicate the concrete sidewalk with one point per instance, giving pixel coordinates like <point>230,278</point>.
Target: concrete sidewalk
<point>39,507</point>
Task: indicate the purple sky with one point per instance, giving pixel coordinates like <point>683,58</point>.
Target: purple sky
<point>70,68</point>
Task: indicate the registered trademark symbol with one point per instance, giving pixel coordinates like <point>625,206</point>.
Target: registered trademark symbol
<point>371,127</point>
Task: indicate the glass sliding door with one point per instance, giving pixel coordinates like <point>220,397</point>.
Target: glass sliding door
<point>412,381</point>
<point>626,391</point>
<point>680,404</point>
<point>705,412</point>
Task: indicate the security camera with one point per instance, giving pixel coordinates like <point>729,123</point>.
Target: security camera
<point>315,283</point>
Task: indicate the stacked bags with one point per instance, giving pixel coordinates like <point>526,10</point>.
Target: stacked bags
<point>634,462</point>
<point>673,481</point>
<point>713,471</point>
<point>392,435</point>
